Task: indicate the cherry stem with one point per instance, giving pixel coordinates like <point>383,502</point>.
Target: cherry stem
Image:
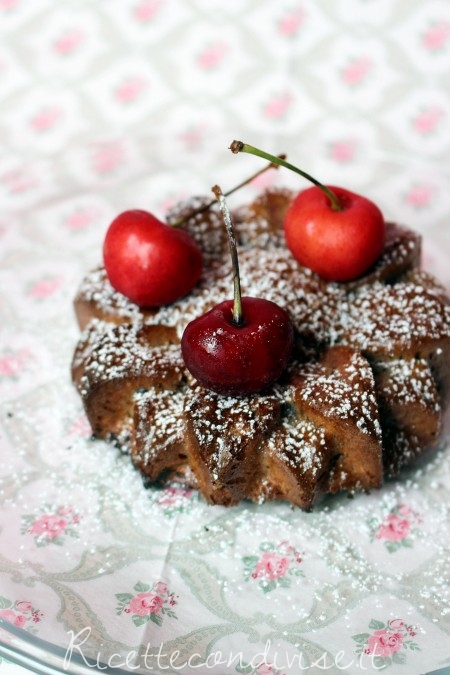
<point>238,317</point>
<point>206,207</point>
<point>239,146</point>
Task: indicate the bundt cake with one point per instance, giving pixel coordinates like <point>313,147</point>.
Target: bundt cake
<point>365,393</point>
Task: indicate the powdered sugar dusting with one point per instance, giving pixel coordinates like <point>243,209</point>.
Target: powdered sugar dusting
<point>159,421</point>
<point>223,423</point>
<point>411,381</point>
<point>347,393</point>
<point>300,444</point>
<point>396,319</point>
<point>122,351</point>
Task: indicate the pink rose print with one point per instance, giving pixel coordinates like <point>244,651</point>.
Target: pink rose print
<point>212,56</point>
<point>129,90</point>
<point>80,219</point>
<point>343,151</point>
<point>262,669</point>
<point>428,120</point>
<point>193,137</point>
<point>80,428</point>
<point>174,500</point>
<point>24,606</point>
<point>271,566</point>
<point>21,614</point>
<point>274,567</point>
<point>49,526</point>
<point>46,119</point>
<point>420,196</point>
<point>146,603</point>
<point>52,526</point>
<point>357,71</point>
<point>292,22</point>
<point>436,36</point>
<point>108,156</point>
<point>388,643</point>
<point>278,106</point>
<point>18,181</point>
<point>396,624</point>
<point>396,528</point>
<point>8,4</point>
<point>150,603</point>
<point>68,42</point>
<point>14,363</point>
<point>10,616</point>
<point>45,287</point>
<point>147,10</point>
<point>384,643</point>
<point>161,587</point>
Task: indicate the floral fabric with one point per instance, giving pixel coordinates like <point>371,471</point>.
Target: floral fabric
<point>106,106</point>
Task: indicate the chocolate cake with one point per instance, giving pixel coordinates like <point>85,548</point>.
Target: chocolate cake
<point>365,393</point>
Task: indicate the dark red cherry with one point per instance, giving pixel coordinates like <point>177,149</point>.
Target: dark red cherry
<point>238,360</point>
<point>242,345</point>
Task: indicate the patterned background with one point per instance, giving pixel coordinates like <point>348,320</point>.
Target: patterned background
<point>106,105</point>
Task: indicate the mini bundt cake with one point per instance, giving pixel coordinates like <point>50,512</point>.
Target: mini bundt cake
<point>364,395</point>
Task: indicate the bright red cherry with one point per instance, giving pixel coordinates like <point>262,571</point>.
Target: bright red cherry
<point>151,263</point>
<point>237,360</point>
<point>338,244</point>
<point>240,346</point>
<point>333,231</point>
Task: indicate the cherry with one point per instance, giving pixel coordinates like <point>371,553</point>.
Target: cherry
<point>340,245</point>
<point>151,263</point>
<point>240,346</point>
<point>336,233</point>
